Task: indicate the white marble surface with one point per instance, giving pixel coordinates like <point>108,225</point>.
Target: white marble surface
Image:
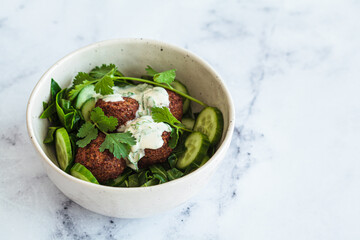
<point>293,168</point>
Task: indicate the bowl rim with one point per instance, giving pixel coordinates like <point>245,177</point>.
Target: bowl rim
<point>46,159</point>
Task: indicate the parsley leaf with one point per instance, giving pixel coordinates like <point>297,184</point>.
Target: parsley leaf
<point>118,144</point>
<point>165,77</point>
<point>88,132</point>
<point>103,122</point>
<point>151,72</point>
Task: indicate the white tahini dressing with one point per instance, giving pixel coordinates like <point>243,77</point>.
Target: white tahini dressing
<point>143,128</point>
<point>148,135</point>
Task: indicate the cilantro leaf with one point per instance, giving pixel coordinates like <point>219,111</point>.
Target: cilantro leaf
<point>104,85</point>
<point>118,144</point>
<point>165,77</point>
<point>151,72</point>
<point>103,77</point>
<point>164,115</point>
<point>81,77</point>
<point>88,132</point>
<point>76,90</point>
<point>103,122</point>
<point>99,72</point>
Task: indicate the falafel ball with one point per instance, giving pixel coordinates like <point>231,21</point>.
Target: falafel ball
<point>123,110</point>
<point>176,104</point>
<point>159,155</point>
<point>103,165</point>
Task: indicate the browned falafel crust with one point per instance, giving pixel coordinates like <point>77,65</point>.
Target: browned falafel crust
<point>176,104</point>
<point>103,165</point>
<point>159,155</point>
<point>122,110</point>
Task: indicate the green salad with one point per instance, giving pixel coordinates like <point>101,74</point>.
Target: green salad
<point>121,131</point>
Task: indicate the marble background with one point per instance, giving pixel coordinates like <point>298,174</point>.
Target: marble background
<point>293,168</point>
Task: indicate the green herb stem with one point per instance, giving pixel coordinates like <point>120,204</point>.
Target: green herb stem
<point>185,129</point>
<point>164,86</point>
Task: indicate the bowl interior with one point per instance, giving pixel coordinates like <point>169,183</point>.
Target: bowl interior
<point>131,56</point>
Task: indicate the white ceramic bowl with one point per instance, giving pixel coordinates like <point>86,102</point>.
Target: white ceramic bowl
<point>131,56</point>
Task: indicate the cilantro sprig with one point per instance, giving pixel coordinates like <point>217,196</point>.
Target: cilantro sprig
<point>166,77</point>
<point>164,115</point>
<point>118,144</point>
<point>105,76</point>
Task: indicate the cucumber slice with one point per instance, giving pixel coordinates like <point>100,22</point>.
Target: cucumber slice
<point>63,149</point>
<point>81,172</point>
<point>196,145</point>
<point>211,123</point>
<point>188,123</point>
<point>87,107</point>
<point>182,88</point>
<point>85,94</point>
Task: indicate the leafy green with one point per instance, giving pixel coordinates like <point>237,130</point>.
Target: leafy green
<point>117,182</point>
<point>165,77</point>
<point>49,111</point>
<point>87,132</point>
<point>77,89</point>
<point>50,135</point>
<point>50,107</point>
<point>103,122</point>
<point>174,137</point>
<point>151,182</point>
<point>172,160</point>
<point>159,173</point>
<point>144,176</point>
<point>161,77</point>
<point>118,144</point>
<point>104,85</point>
<point>151,72</point>
<point>81,77</point>
<point>54,89</point>
<point>164,115</point>
<point>99,72</point>
<point>174,173</point>
<point>192,167</point>
<point>103,77</point>
<point>133,180</point>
